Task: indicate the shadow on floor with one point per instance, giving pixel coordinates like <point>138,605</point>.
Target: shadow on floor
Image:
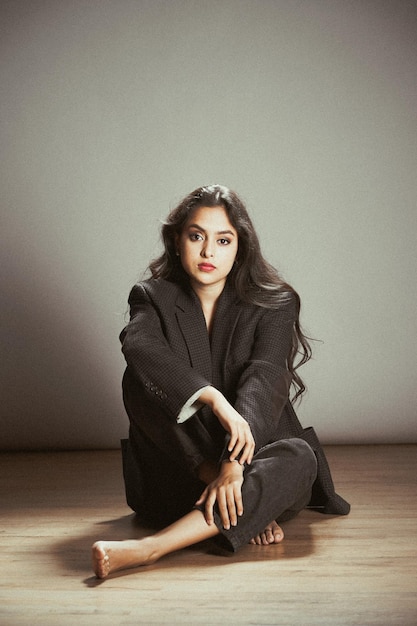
<point>75,552</point>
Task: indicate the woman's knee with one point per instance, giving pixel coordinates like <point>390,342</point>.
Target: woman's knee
<point>306,457</point>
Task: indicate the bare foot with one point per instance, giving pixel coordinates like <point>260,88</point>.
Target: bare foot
<point>111,556</point>
<point>272,534</point>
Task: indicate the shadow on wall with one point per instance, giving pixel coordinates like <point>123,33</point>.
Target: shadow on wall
<point>57,391</point>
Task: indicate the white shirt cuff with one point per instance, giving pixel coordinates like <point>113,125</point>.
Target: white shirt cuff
<point>192,405</point>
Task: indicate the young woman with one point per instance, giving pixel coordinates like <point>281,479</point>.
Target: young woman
<point>212,350</point>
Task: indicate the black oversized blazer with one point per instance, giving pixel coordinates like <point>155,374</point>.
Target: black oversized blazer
<point>170,356</point>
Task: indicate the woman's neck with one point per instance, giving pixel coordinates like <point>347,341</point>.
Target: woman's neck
<point>209,296</point>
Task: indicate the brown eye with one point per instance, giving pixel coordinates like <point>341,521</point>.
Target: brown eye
<point>195,237</point>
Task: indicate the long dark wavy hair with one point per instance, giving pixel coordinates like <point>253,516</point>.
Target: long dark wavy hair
<point>254,279</point>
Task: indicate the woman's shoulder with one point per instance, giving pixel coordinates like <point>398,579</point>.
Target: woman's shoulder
<point>155,289</point>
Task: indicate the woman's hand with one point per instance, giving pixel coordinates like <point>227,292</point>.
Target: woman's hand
<point>226,489</point>
<point>241,439</point>
<point>208,471</point>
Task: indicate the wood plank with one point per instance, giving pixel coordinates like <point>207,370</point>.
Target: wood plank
<point>355,570</point>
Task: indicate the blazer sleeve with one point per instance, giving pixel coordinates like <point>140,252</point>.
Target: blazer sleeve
<point>163,375</point>
<point>263,387</point>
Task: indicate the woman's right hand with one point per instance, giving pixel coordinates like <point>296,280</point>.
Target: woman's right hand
<point>241,439</point>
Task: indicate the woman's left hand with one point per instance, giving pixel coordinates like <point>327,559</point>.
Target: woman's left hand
<point>226,489</point>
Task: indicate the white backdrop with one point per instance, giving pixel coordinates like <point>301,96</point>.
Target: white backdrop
<point>112,110</point>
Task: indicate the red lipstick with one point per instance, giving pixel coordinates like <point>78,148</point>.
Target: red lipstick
<point>206,267</point>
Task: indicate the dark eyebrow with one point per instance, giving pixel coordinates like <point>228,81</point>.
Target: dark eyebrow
<point>220,232</point>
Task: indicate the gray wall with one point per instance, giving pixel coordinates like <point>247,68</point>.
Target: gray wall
<point>112,110</point>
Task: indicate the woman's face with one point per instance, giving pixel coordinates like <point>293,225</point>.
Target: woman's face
<point>208,246</point>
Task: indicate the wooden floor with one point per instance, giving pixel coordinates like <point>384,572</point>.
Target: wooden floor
<point>356,570</point>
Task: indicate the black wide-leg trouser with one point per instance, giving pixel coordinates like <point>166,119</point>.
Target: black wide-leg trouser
<point>277,485</point>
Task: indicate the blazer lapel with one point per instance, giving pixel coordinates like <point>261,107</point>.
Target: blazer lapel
<point>226,318</point>
<point>193,327</point>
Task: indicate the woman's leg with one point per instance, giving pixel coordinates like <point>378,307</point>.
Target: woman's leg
<point>111,556</point>
<point>277,485</point>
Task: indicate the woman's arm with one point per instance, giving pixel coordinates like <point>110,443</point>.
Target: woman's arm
<point>263,386</point>
<point>241,441</point>
<point>226,490</point>
<point>163,375</point>
<point>224,482</point>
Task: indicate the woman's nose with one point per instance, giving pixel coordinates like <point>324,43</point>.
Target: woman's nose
<point>207,250</point>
